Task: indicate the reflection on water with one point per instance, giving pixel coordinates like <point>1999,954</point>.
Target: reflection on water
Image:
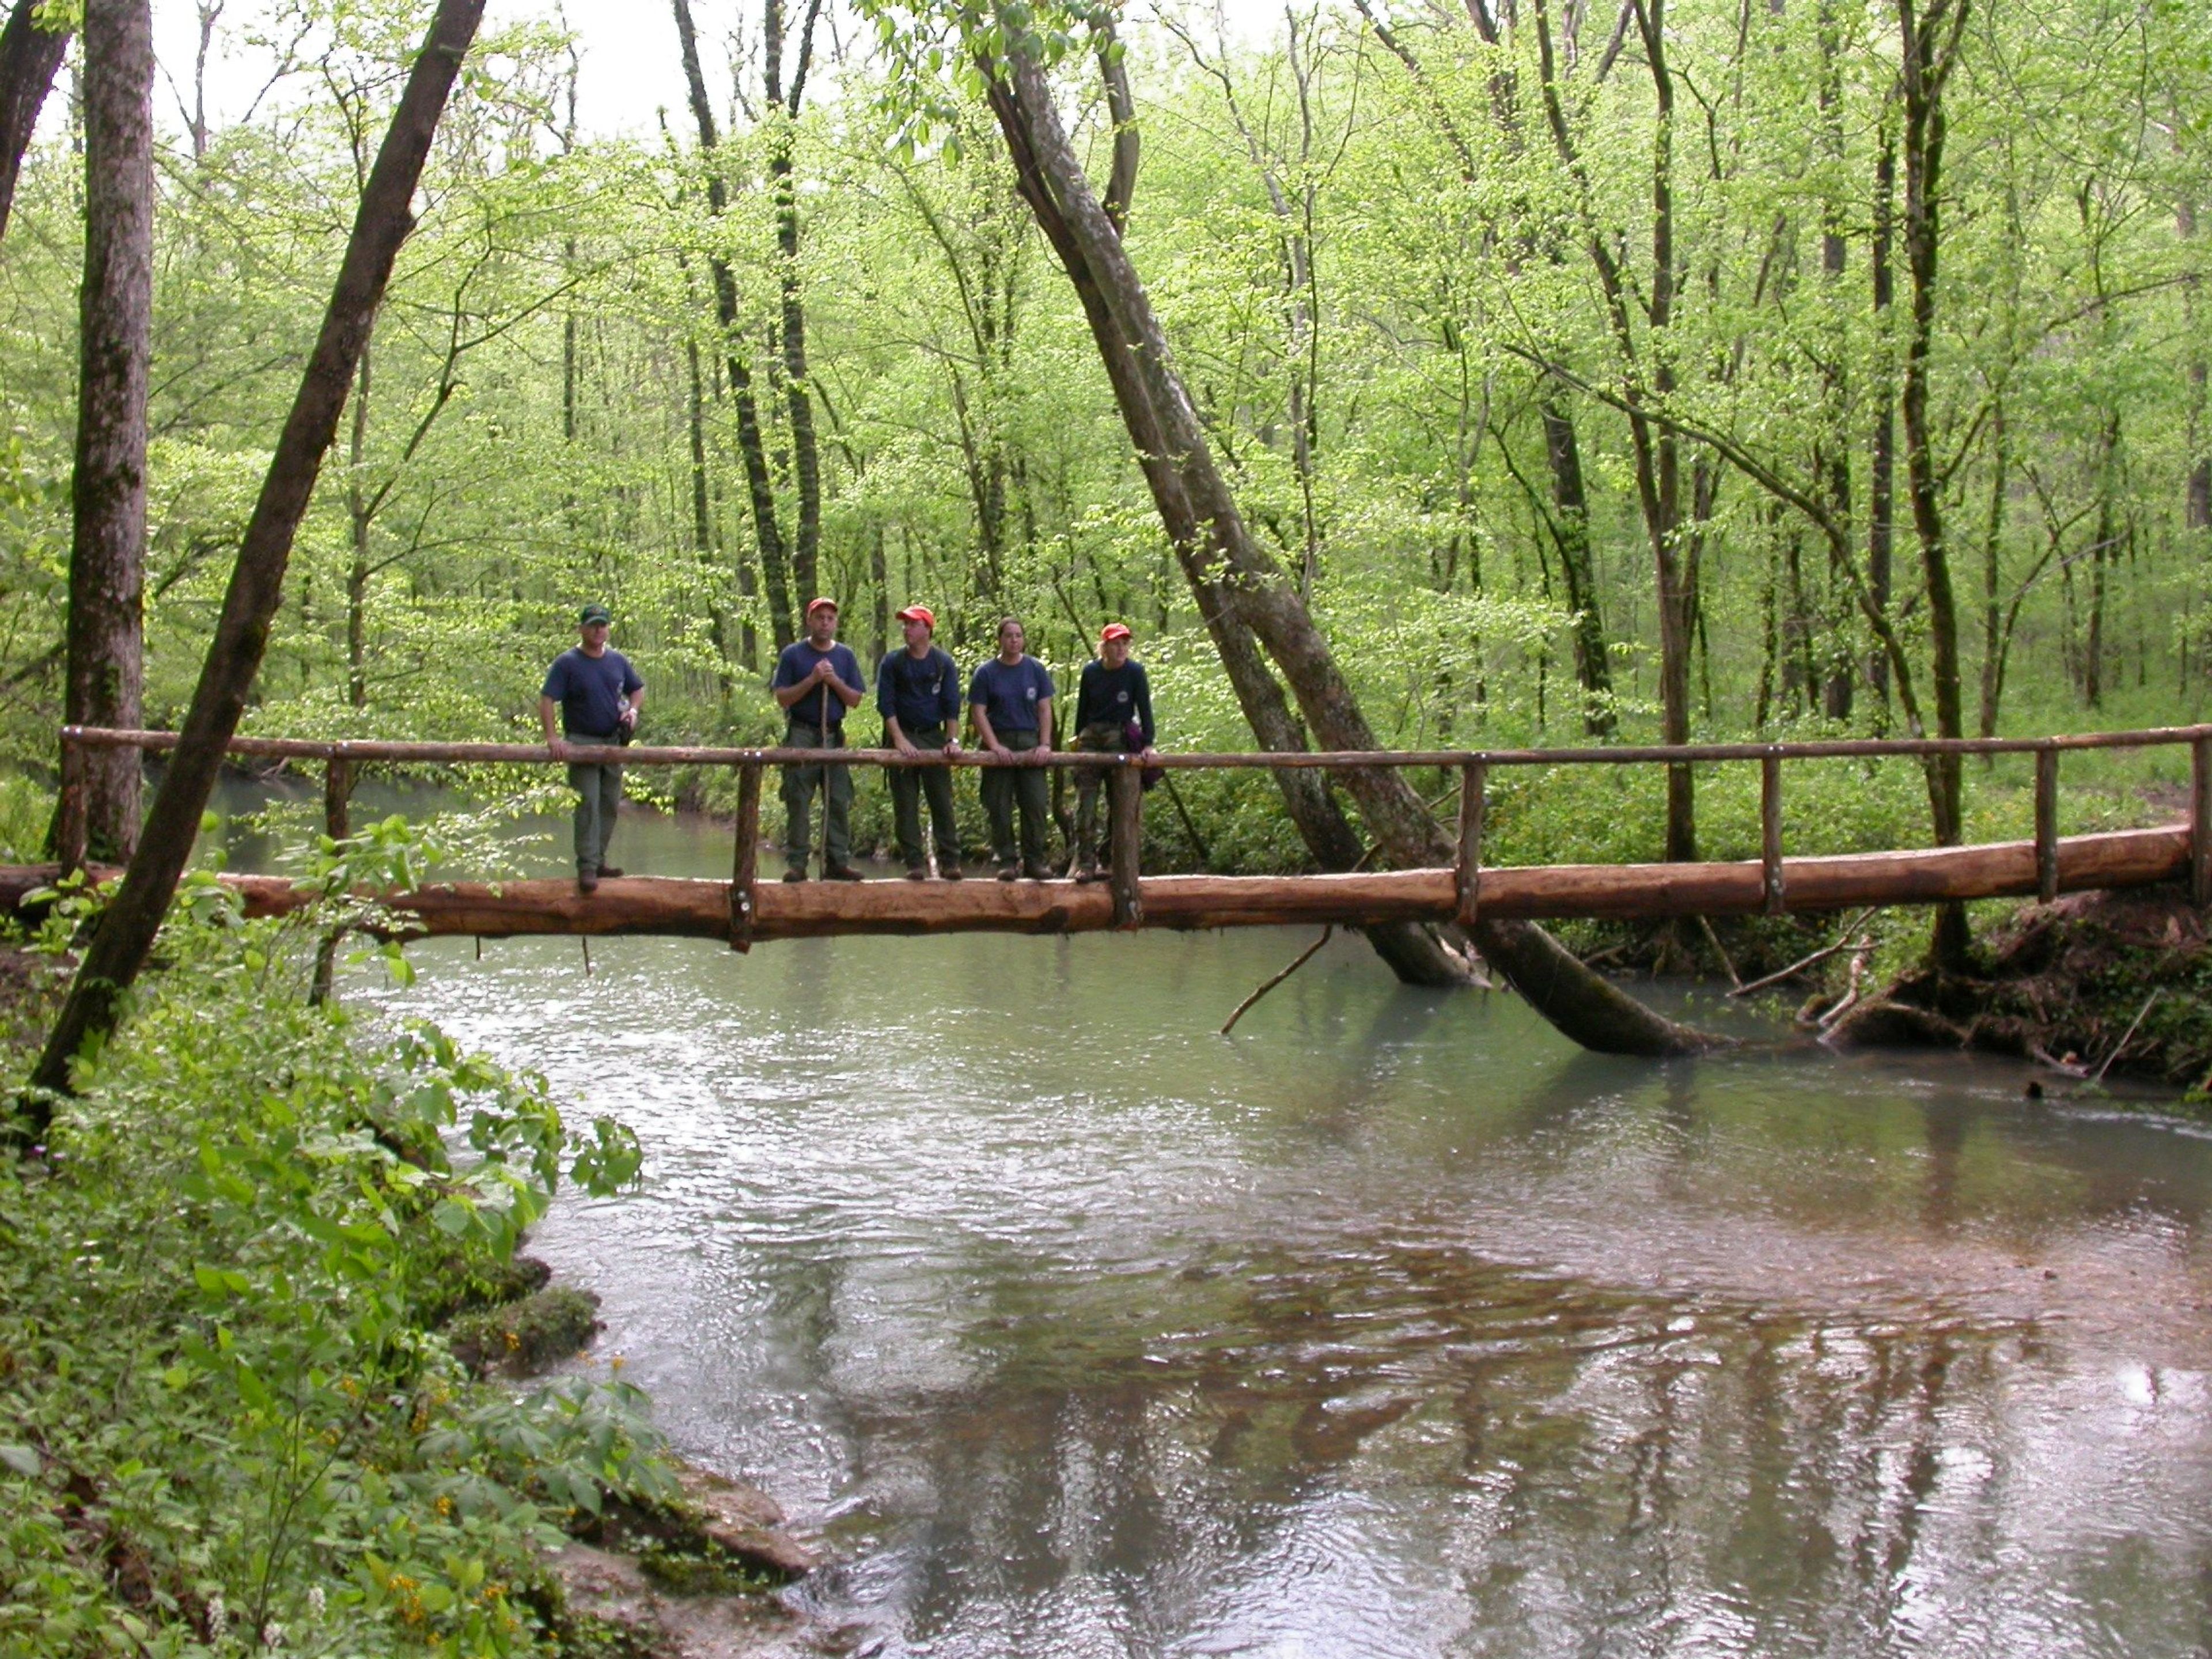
<point>1391,1326</point>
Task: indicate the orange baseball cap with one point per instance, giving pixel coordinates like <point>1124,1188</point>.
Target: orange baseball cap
<point>813,605</point>
<point>1113,631</point>
<point>921,613</point>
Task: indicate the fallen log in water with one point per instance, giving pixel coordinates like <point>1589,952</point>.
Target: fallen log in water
<point>701,910</point>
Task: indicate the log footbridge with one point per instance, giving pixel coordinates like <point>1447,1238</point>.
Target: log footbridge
<point>745,909</point>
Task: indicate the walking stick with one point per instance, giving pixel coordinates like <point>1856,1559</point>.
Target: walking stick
<point>822,729</point>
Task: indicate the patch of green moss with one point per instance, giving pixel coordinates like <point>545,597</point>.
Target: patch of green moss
<point>700,1568</point>
<point>527,1335</point>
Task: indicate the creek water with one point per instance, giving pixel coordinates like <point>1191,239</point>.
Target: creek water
<point>1391,1325</point>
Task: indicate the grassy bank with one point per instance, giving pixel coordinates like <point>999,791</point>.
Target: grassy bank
<point>234,1418</point>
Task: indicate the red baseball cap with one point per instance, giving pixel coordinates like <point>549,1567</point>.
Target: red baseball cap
<point>813,605</point>
<point>1113,631</point>
<point>921,613</point>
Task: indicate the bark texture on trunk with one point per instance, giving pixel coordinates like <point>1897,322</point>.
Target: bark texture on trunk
<point>29,56</point>
<point>126,931</point>
<point>1931,42</point>
<point>752,448</point>
<point>1248,601</point>
<point>107,550</point>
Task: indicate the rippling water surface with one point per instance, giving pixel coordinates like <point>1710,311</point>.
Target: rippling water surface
<point>1391,1325</point>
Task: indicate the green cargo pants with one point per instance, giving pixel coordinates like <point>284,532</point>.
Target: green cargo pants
<point>599,787</point>
<point>799,783</point>
<point>1005,785</point>
<point>910,786</point>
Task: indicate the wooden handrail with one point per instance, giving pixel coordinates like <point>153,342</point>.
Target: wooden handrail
<point>372,749</point>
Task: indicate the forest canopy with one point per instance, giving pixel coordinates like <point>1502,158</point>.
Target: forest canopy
<point>1674,370</point>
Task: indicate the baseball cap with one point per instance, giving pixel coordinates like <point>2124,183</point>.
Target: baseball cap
<point>921,613</point>
<point>814,604</point>
<point>1113,631</point>
<point>593,613</point>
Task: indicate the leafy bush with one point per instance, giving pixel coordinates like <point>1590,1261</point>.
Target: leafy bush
<point>228,1426</point>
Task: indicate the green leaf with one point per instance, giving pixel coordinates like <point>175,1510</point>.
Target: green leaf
<point>21,1459</point>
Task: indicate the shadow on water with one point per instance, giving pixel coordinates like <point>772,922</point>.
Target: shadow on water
<point>1390,1325</point>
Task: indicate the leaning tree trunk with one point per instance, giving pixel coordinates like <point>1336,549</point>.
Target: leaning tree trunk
<point>107,549</point>
<point>127,929</point>
<point>1222,562</point>
<point>29,56</point>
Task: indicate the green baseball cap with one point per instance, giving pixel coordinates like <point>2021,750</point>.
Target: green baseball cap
<point>594,613</point>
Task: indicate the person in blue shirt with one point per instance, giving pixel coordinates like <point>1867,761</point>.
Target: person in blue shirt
<point>817,680</point>
<point>918,695</point>
<point>1010,698</point>
<point>1113,715</point>
<point>599,696</point>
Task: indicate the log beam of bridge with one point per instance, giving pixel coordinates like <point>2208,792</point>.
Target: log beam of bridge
<point>701,910</point>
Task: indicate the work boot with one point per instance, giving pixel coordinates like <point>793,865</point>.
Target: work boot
<point>587,881</point>
<point>1009,871</point>
<point>609,870</point>
<point>841,872</point>
<point>795,873</point>
<point>948,872</point>
<point>1037,870</point>
<point>917,873</point>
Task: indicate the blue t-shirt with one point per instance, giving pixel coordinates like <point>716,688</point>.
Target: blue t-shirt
<point>919,691</point>
<point>798,661</point>
<point>1009,696</point>
<point>590,691</point>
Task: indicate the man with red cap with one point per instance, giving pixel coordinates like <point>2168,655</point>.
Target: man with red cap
<point>918,695</point>
<point>1113,715</point>
<point>817,680</point>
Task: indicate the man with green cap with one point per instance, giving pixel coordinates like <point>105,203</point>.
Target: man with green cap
<point>599,695</point>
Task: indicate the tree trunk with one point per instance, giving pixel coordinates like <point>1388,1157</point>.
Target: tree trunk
<point>127,928</point>
<point>29,56</point>
<point>1234,580</point>
<point>760,491</point>
<point>1930,50</point>
<point>1882,485</point>
<point>107,551</point>
<point>359,517</point>
<point>806,462</point>
<point>1993,630</point>
<point>1577,568</point>
<point>2196,506</point>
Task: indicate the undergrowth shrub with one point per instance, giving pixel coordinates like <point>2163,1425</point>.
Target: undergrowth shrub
<point>226,1424</point>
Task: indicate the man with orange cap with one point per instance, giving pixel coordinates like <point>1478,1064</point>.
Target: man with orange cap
<point>817,680</point>
<point>1113,715</point>
<point>918,695</point>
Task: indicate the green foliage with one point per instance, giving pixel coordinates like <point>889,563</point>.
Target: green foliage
<point>24,812</point>
<point>229,1417</point>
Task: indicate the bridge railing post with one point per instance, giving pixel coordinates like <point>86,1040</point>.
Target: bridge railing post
<point>1125,800</point>
<point>71,828</point>
<point>2200,822</point>
<point>1770,832</point>
<point>337,825</point>
<point>337,796</point>
<point>745,863</point>
<point>2046,824</point>
<point>1474,777</point>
